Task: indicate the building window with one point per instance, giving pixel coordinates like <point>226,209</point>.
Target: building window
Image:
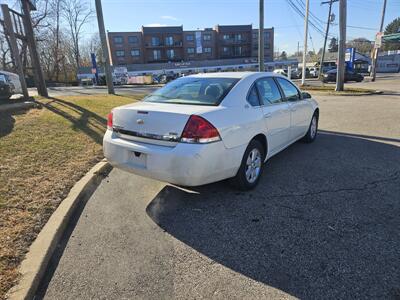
<point>226,37</point>
<point>190,37</point>
<point>255,35</point>
<point>120,53</point>
<point>135,52</point>
<point>169,41</point>
<point>118,40</point>
<point>267,45</point>
<point>170,53</point>
<point>266,35</point>
<point>155,41</point>
<point>238,37</point>
<point>207,37</point>
<point>190,50</point>
<point>156,54</point>
<point>225,50</point>
<point>132,39</point>
<point>207,50</point>
<point>238,51</point>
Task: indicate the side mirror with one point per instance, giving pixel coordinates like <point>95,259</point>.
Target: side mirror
<point>306,95</point>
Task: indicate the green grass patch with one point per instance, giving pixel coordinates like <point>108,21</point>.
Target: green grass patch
<point>330,89</point>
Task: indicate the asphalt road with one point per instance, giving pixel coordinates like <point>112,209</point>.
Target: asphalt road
<point>384,81</point>
<point>95,90</point>
<point>322,224</point>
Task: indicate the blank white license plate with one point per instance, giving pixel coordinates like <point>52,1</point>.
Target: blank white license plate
<point>138,159</point>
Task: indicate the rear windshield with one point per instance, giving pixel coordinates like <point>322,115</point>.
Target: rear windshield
<point>193,90</point>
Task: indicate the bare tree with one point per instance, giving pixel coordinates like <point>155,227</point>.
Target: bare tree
<point>76,13</point>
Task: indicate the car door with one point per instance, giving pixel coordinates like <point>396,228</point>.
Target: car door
<point>299,109</point>
<point>276,114</point>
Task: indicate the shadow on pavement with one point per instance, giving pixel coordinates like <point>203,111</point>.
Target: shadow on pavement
<point>322,224</point>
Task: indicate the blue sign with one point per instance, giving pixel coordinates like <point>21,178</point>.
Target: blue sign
<point>350,57</point>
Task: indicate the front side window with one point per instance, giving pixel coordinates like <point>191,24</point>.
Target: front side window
<point>290,91</point>
<point>193,90</point>
<point>268,91</point>
<point>120,53</point>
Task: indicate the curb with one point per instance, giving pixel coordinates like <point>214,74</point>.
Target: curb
<point>33,267</point>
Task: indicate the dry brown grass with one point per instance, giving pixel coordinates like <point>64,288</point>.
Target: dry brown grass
<point>43,152</point>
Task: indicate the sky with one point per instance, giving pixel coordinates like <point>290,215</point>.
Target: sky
<point>130,15</point>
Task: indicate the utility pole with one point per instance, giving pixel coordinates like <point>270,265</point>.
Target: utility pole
<point>303,73</point>
<point>321,63</point>
<point>103,39</point>
<point>375,58</point>
<point>342,46</point>
<point>298,48</point>
<point>9,30</point>
<point>261,66</point>
<point>39,77</point>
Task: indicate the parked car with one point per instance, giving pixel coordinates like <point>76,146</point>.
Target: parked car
<point>205,128</point>
<point>295,73</point>
<point>13,81</point>
<point>281,72</point>
<point>330,76</point>
<point>5,88</point>
<point>314,72</point>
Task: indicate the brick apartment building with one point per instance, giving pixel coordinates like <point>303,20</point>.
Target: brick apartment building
<point>173,44</point>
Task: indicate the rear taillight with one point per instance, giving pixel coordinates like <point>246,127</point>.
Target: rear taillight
<point>110,121</point>
<point>199,130</point>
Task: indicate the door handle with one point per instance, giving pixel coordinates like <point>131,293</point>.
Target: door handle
<point>267,115</point>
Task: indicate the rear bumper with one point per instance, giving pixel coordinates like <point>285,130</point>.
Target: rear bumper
<point>183,164</point>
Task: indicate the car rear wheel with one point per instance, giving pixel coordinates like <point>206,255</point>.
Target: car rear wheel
<point>312,129</point>
<point>251,167</point>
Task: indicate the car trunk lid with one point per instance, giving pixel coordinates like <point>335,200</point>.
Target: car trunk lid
<point>155,123</point>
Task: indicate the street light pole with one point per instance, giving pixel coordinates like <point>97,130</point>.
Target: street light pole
<point>375,58</point>
<point>342,46</point>
<point>102,32</point>
<point>303,73</point>
<point>321,63</point>
<point>261,66</point>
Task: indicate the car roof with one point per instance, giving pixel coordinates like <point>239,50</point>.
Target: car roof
<point>238,75</point>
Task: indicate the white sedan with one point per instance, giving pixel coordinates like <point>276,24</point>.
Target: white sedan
<point>209,127</point>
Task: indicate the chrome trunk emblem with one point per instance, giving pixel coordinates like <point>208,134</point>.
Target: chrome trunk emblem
<point>140,121</point>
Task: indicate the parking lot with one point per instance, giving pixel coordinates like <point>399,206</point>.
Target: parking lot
<point>322,224</point>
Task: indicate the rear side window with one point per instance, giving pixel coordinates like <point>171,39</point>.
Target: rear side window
<point>268,91</point>
<point>252,98</point>
<point>290,91</point>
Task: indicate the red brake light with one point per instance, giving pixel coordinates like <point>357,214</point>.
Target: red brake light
<point>110,121</point>
<point>199,130</point>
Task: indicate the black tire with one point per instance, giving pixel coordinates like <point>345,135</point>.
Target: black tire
<point>241,181</point>
<point>311,135</point>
